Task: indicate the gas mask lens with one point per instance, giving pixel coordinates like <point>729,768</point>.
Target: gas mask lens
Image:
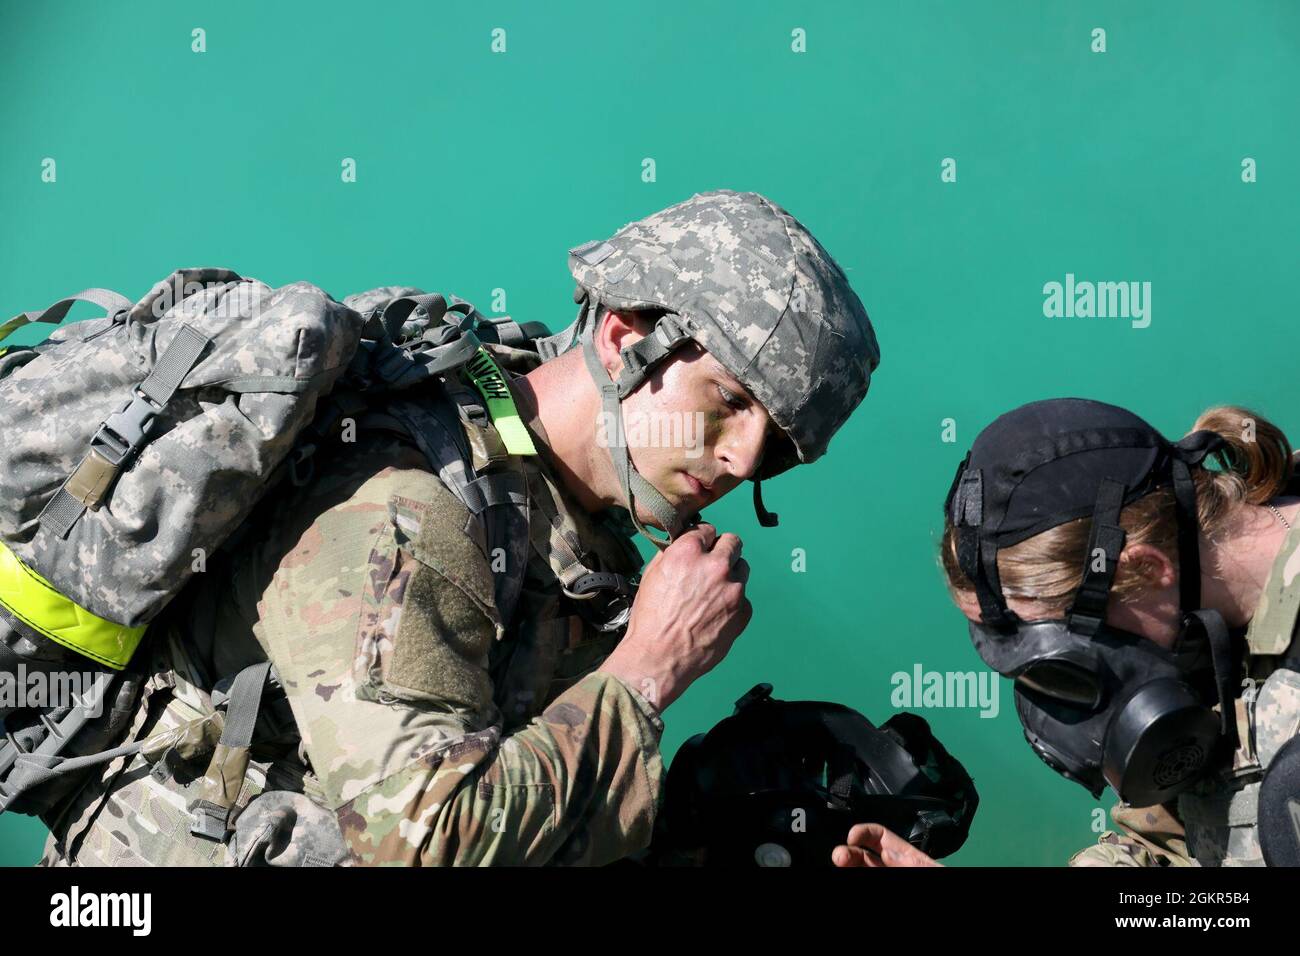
<point>1062,680</point>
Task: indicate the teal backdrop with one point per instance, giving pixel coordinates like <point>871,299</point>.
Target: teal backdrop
<point>476,170</point>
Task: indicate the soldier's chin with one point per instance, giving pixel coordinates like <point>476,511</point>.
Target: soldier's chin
<point>649,520</point>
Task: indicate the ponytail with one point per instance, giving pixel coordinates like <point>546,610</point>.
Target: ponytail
<point>1254,464</point>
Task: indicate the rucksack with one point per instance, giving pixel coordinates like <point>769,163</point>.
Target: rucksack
<point>138,443</point>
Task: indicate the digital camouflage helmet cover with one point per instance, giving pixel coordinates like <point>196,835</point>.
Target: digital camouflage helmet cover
<point>747,281</point>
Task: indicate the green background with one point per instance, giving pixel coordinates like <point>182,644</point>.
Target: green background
<point>478,171</point>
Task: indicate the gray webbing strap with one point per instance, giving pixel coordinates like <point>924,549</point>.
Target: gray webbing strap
<point>243,704</point>
<point>428,305</point>
<point>174,364</point>
<point>61,513</point>
<point>546,534</point>
<point>495,488</point>
<point>641,357</point>
<point>224,780</point>
<point>38,768</point>
<point>400,367</point>
<point>508,331</point>
<point>451,355</point>
<point>109,301</point>
<point>634,485</point>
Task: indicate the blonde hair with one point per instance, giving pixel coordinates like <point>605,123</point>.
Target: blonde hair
<point>1253,467</point>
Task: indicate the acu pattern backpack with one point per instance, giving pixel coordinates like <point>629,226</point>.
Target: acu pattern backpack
<point>138,443</point>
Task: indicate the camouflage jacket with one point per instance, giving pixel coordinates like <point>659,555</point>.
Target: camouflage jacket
<point>431,736</point>
<point>1213,823</point>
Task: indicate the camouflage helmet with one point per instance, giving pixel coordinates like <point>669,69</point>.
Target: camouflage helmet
<point>750,284</point>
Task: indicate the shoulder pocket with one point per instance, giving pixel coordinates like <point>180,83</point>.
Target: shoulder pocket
<point>427,621</point>
<point>445,540</point>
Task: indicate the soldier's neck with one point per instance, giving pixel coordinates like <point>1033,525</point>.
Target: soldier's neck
<point>560,396</point>
<point>1238,563</point>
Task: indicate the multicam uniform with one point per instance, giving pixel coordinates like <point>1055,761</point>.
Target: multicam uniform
<point>432,734</point>
<point>1213,824</point>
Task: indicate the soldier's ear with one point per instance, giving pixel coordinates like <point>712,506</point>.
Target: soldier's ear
<point>1148,563</point>
<point>616,331</point>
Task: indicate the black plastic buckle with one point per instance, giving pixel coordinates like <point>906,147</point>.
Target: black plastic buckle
<point>123,432</point>
<point>209,821</point>
<point>167,765</point>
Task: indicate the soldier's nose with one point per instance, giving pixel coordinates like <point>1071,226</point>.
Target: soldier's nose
<point>741,451</point>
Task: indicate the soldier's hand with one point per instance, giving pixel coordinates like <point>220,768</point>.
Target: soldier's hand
<point>870,844</point>
<point>689,609</point>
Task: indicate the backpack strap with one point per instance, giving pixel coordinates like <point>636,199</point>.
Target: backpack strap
<point>210,813</point>
<point>23,769</point>
<point>604,598</point>
<point>109,301</point>
<point>497,497</point>
<point>466,424</point>
<point>121,435</point>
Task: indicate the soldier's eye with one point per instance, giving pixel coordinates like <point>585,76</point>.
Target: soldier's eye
<point>731,398</point>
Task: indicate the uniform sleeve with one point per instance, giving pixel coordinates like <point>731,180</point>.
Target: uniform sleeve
<point>578,785</point>
<point>1153,836</point>
<point>375,606</point>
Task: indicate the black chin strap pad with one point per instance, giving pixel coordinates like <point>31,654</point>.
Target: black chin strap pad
<point>977,554</point>
<point>1089,608</point>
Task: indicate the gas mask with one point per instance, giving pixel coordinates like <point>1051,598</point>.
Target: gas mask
<point>1099,705</point>
<point>781,783</point>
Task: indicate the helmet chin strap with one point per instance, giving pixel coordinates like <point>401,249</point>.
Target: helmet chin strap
<point>638,360</point>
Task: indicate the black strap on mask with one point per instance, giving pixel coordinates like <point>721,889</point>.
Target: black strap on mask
<point>977,554</point>
<point>1088,611</point>
<point>1226,674</point>
<point>1189,452</point>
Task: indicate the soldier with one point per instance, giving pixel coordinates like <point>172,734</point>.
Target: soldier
<point>1146,607</point>
<point>425,719</point>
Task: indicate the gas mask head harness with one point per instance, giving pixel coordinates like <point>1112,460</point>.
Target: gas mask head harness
<point>1100,705</point>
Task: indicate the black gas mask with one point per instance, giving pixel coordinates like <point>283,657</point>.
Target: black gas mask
<point>1100,705</point>
<point>781,783</point>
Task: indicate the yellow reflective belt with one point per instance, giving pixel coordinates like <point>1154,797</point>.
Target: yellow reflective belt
<point>32,600</point>
<point>491,384</point>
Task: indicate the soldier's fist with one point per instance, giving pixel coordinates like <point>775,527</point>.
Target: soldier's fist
<point>689,610</point>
